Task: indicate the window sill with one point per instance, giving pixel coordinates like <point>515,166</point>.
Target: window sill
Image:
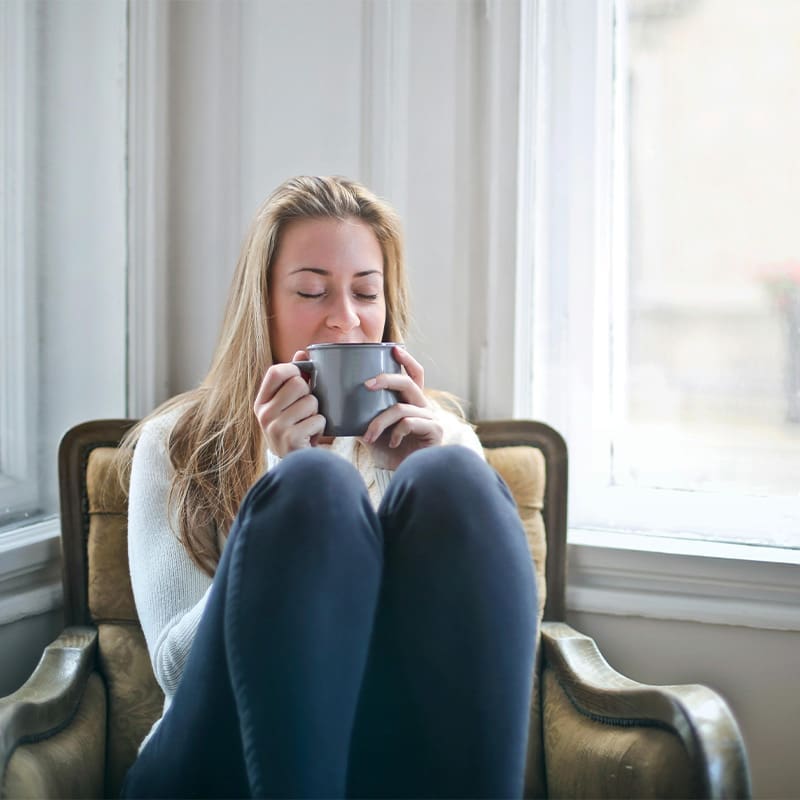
<point>30,570</point>
<point>621,574</point>
<point>629,574</point>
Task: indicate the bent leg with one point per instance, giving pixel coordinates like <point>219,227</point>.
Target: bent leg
<point>445,707</point>
<point>266,704</point>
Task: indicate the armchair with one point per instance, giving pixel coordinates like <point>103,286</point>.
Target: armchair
<point>73,728</point>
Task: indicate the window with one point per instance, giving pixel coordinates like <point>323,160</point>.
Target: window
<point>18,484</point>
<point>63,195</point>
<point>668,309</point>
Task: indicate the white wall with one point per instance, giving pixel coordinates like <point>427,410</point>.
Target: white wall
<point>376,91</point>
<point>21,645</point>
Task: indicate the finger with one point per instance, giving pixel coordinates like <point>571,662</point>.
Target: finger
<point>304,433</point>
<point>272,381</point>
<point>412,366</point>
<point>292,390</point>
<point>291,404</point>
<point>404,385</point>
<point>391,416</point>
<point>279,419</point>
<point>419,427</point>
<point>297,436</point>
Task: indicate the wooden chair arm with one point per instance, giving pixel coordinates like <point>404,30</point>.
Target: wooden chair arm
<point>48,700</point>
<point>697,715</point>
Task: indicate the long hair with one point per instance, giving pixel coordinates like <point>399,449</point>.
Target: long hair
<point>216,446</point>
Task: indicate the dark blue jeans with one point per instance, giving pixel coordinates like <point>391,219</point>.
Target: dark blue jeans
<point>345,652</point>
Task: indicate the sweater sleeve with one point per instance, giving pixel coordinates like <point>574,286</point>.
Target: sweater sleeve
<point>457,431</point>
<point>169,589</point>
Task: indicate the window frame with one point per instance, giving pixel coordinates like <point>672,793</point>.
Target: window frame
<point>36,137</point>
<point>617,570</point>
<point>19,492</point>
<point>567,119</point>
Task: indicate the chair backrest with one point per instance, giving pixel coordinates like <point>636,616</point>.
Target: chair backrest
<point>530,456</point>
<point>538,481</point>
<point>97,587</point>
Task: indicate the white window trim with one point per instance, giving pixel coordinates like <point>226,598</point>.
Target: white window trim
<point>18,480</point>
<point>384,99</point>
<point>618,570</point>
<point>30,571</point>
<point>147,201</point>
<point>657,577</point>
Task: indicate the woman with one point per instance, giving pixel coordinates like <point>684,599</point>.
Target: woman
<point>327,618</point>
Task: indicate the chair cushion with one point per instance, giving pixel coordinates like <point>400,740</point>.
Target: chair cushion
<point>523,469</point>
<point>135,700</point>
<point>110,593</point>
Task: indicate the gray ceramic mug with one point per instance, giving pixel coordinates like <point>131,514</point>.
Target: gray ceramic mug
<point>337,372</point>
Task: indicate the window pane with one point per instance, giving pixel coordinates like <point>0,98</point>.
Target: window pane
<point>710,367</point>
<point>63,236</point>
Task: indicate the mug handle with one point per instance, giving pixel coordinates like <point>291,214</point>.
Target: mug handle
<point>308,368</point>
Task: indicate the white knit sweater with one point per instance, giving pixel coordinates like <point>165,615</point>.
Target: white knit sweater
<point>169,589</point>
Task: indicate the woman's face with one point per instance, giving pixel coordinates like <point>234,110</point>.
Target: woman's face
<point>326,285</point>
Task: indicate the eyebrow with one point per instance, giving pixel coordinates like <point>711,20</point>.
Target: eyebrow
<point>320,271</point>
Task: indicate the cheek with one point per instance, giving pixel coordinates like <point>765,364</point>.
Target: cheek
<point>291,328</point>
<point>303,322</point>
<point>374,322</point>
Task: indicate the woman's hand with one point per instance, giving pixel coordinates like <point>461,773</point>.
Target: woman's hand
<point>286,410</point>
<point>407,426</point>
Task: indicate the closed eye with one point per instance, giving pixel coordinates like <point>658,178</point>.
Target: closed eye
<point>363,296</point>
<point>310,295</point>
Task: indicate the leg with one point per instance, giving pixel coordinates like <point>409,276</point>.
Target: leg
<point>445,706</point>
<point>266,704</point>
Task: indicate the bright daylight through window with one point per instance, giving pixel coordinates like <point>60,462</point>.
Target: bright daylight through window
<point>705,276</point>
<point>62,242</point>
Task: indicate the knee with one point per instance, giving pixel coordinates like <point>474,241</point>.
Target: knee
<point>311,474</point>
<point>312,505</point>
<point>449,480</point>
<point>306,483</point>
<point>442,471</point>
<point>319,468</point>
<point>449,504</point>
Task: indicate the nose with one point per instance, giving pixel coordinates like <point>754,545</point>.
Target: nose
<point>342,315</point>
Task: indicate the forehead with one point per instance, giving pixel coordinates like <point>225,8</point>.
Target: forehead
<point>329,244</point>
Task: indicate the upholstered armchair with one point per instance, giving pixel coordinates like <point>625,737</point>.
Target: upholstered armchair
<point>73,729</point>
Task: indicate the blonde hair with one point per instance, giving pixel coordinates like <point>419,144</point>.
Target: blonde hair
<point>216,445</point>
